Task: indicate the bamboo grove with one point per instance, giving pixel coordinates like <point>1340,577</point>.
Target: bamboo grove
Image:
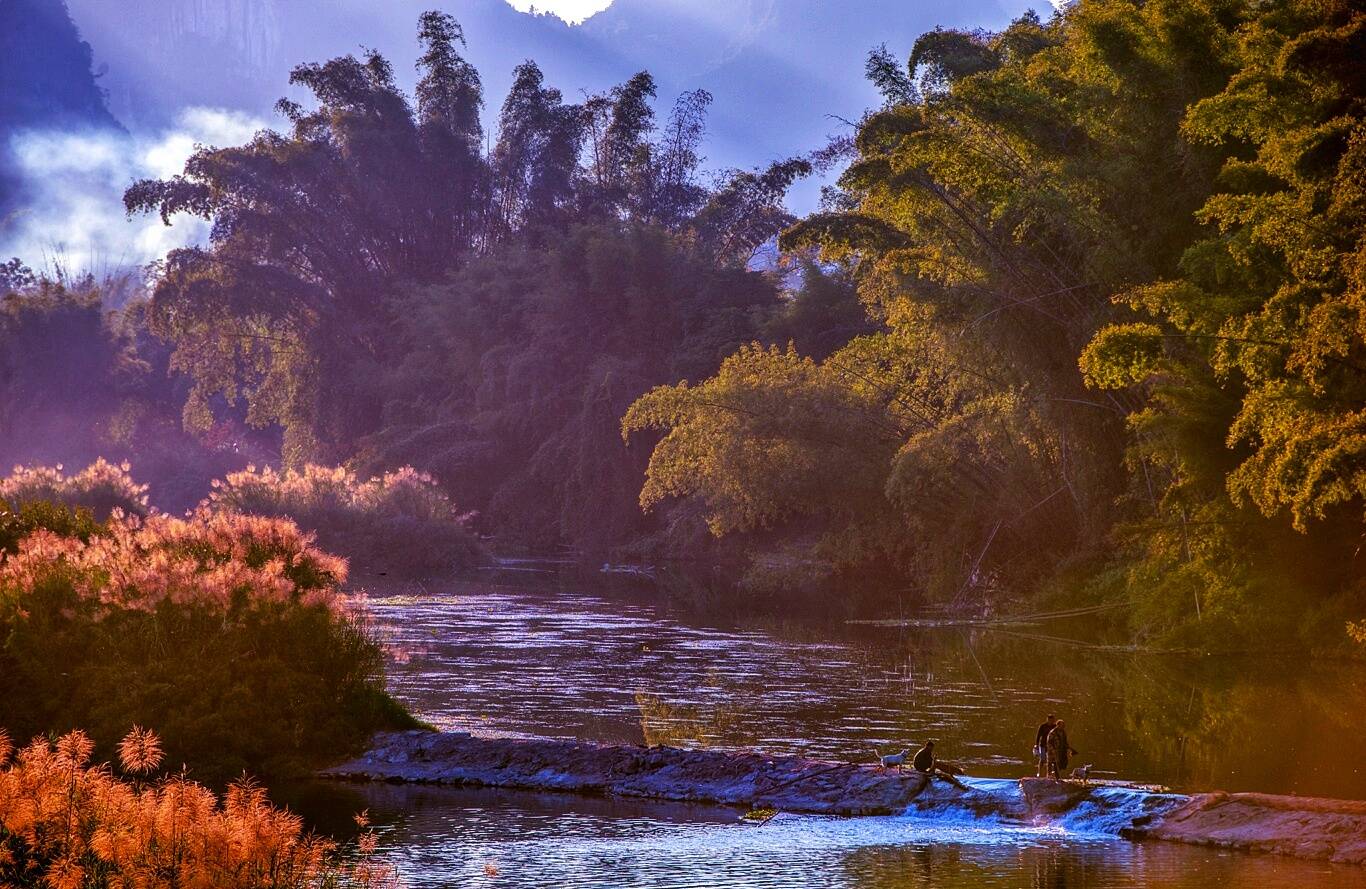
<point>1082,320</point>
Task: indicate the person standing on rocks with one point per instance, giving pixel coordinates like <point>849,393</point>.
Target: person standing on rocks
<point>1059,750</point>
<point>1041,744</point>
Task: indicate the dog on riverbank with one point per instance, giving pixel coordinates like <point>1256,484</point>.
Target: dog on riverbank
<point>1083,773</point>
<point>892,760</point>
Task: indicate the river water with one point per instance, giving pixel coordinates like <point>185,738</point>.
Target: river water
<point>553,662</point>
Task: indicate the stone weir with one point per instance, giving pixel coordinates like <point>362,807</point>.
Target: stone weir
<point>1331,830</point>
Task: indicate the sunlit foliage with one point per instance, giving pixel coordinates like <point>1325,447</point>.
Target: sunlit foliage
<point>227,631</point>
<point>1274,292</point>
<point>66,823</point>
<point>401,521</point>
<point>757,443</point>
<point>1083,315</point>
<point>101,487</point>
<point>1256,374</point>
<point>1166,193</point>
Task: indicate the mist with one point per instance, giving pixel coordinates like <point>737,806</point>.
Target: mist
<point>72,216</point>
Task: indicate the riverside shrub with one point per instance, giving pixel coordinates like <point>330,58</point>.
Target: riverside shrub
<point>65,823</point>
<point>101,487</point>
<point>400,521</point>
<point>229,632</point>
<point>21,520</point>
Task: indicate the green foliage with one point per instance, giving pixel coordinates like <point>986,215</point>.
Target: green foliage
<point>1122,355</point>
<point>80,380</point>
<point>18,521</point>
<point>320,235</point>
<point>820,314</point>
<point>1091,293</point>
<point>1263,321</point>
<point>54,342</point>
<point>917,430</point>
<point>1160,201</point>
<point>536,352</point>
<point>14,275</point>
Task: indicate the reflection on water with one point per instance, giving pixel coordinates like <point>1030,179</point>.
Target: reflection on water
<point>562,664</point>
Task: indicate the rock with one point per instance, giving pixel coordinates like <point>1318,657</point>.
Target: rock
<point>1048,796</point>
<point>1328,830</point>
<point>789,783</point>
<point>1331,830</point>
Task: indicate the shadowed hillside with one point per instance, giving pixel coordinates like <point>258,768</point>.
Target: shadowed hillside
<point>45,79</point>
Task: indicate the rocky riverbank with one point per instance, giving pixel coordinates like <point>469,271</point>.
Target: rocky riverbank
<point>1331,830</point>
<point>1321,829</point>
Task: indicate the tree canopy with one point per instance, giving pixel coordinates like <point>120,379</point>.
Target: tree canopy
<point>1083,318</point>
<point>1116,257</point>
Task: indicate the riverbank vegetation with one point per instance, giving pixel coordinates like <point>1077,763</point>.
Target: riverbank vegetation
<point>67,823</point>
<point>1165,196</point>
<point>228,632</point>
<point>401,522</point>
<point>1082,319</point>
<point>101,487</point>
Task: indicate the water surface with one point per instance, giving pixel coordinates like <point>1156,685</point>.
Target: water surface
<point>568,664</point>
<point>476,838</point>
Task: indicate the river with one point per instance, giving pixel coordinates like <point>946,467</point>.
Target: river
<point>556,662</point>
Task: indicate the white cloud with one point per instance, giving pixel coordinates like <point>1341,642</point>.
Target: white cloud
<point>73,214</point>
<point>572,11</point>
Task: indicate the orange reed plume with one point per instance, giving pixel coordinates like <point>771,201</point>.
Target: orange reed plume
<point>66,824</point>
<point>140,751</point>
<point>204,559</point>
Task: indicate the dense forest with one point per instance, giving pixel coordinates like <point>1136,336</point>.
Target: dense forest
<point>1117,258</point>
<point>1083,320</point>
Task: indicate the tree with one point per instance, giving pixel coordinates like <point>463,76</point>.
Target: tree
<point>1263,319</point>
<point>888,454</point>
<point>1147,378</point>
<point>536,159</point>
<point>319,233</point>
<point>519,366</point>
<point>1004,191</point>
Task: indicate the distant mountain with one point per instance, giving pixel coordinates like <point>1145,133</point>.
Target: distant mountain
<point>778,68</point>
<point>46,81</point>
<point>45,69</point>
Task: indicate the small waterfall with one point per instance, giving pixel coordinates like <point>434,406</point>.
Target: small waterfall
<point>1103,811</point>
<point>1111,808</point>
<point>986,799</point>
